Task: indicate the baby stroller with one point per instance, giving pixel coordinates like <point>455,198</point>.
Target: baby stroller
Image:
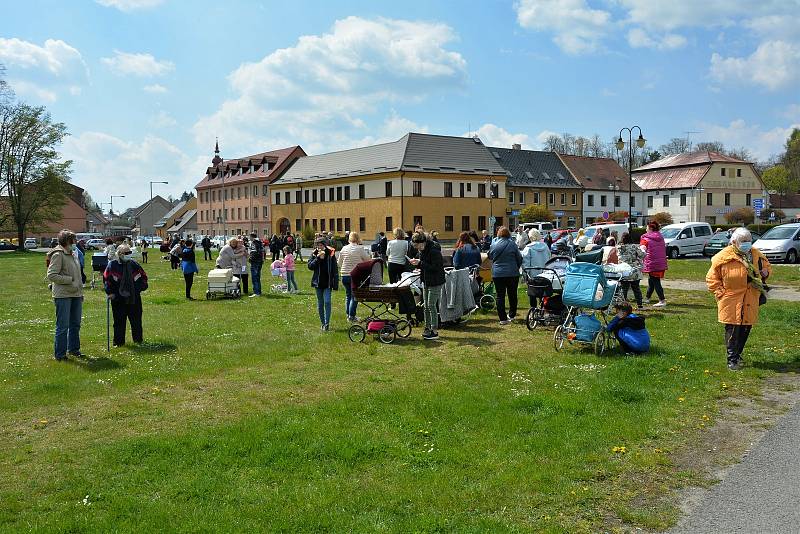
<point>99,264</point>
<point>366,281</point>
<point>483,287</point>
<point>587,288</point>
<point>222,283</point>
<point>278,270</point>
<point>545,284</point>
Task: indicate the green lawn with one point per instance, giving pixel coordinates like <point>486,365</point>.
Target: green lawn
<point>242,415</point>
<point>696,269</point>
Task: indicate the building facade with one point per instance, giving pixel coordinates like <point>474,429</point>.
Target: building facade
<point>441,182</point>
<point>606,188</point>
<point>537,177</point>
<point>699,186</point>
<point>234,196</point>
<point>148,214</point>
<point>169,219</point>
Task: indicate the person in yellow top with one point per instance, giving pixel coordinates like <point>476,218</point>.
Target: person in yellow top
<point>737,278</point>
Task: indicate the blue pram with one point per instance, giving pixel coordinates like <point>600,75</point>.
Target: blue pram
<point>587,289</point>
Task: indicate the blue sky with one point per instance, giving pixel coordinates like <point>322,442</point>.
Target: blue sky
<point>145,85</point>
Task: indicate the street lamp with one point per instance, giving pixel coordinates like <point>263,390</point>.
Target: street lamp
<point>151,188</point>
<point>620,145</point>
<point>615,187</point>
<point>491,183</point>
<point>112,202</point>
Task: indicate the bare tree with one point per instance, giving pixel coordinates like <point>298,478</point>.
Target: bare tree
<point>710,146</point>
<point>676,145</point>
<point>553,143</point>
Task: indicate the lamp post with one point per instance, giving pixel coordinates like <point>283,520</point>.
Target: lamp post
<point>151,188</point>
<point>491,183</point>
<point>111,210</point>
<point>620,145</point>
<point>699,191</point>
<point>615,187</point>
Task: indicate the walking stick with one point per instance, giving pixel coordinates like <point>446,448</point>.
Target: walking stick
<point>108,324</point>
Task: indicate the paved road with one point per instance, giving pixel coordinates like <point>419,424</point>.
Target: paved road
<point>777,293</point>
<point>761,494</point>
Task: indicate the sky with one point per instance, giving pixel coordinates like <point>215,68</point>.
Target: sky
<point>146,86</point>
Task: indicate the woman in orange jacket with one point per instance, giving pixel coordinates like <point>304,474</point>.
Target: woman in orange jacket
<point>737,278</point>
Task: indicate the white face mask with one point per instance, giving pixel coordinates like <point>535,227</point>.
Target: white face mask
<point>125,257</point>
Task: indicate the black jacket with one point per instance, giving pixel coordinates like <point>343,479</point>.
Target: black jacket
<point>256,251</point>
<point>431,264</point>
<point>205,243</point>
<point>333,269</point>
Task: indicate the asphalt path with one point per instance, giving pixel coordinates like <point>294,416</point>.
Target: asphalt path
<point>761,494</point>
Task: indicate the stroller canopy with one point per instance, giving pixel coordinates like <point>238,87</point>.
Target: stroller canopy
<point>367,273</point>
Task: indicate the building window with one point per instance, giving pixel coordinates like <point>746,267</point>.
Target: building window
<point>339,224</point>
<point>633,201</point>
<point>362,192</point>
<point>722,171</point>
<point>738,173</point>
<point>536,197</point>
<point>322,195</point>
<point>362,224</point>
<point>298,197</point>
<point>665,198</point>
<point>246,189</point>
<point>563,199</point>
<point>246,214</point>
<point>417,220</point>
<point>239,192</point>
<point>277,198</point>
<point>265,211</point>
<point>448,189</point>
<point>590,200</point>
<point>238,214</point>
<point>461,189</point>
<point>347,224</point>
<point>551,198</point>
<point>388,186</point>
<point>481,190</point>
<point>417,188</point>
<point>305,196</point>
<point>683,199</point>
<point>287,199</point>
<point>617,202</point>
<point>469,187</point>
<point>521,195</point>
<point>481,222</point>
<point>574,199</point>
<point>314,224</point>
<point>226,194</point>
<point>448,223</point>
<point>322,224</point>
<point>748,198</point>
<point>264,190</point>
<point>331,224</point>
<point>511,197</point>
<point>313,195</point>
<point>603,201</point>
<point>709,199</point>
<point>330,194</point>
<point>347,192</point>
<point>339,193</point>
<point>727,199</point>
<point>389,226</point>
<point>297,223</point>
<point>255,190</point>
<point>465,223</point>
<point>495,191</point>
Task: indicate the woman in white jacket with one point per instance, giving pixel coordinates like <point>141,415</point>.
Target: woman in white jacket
<point>351,255</point>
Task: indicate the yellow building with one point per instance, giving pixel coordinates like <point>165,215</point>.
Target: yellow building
<point>441,182</point>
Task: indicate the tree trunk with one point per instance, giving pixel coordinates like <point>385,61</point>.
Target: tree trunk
<point>20,237</point>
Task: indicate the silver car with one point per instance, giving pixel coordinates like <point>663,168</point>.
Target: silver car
<point>781,243</point>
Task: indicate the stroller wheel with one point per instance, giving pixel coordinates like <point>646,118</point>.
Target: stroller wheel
<point>356,333</point>
<point>403,328</point>
<point>531,320</point>
<point>600,343</point>
<point>488,302</point>
<point>558,337</point>
<point>387,334</point>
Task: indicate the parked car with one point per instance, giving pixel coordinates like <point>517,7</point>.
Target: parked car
<point>721,240</point>
<point>95,244</point>
<point>53,242</point>
<point>781,243</point>
<point>31,243</point>
<point>7,245</point>
<point>541,226</point>
<point>686,238</point>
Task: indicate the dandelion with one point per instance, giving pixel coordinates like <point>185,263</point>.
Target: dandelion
<point>705,417</point>
<point>619,450</point>
<point>724,385</point>
<point>707,371</point>
<point>658,451</point>
<point>682,357</point>
<point>681,399</point>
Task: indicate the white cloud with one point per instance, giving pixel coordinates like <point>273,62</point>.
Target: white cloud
<point>43,72</point>
<point>162,119</point>
<point>738,133</point>
<point>792,112</point>
<point>144,65</point>
<point>639,38</point>
<point>155,89</point>
<point>106,165</point>
<point>773,65</point>
<point>129,5</point>
<point>493,135</point>
<point>330,90</point>
<point>577,28</point>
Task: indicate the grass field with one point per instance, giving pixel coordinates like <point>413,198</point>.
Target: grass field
<point>242,415</point>
<point>786,275</point>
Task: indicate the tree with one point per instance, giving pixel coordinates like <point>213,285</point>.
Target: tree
<point>31,177</point>
<point>614,216</point>
<point>710,146</point>
<point>650,157</point>
<point>536,213</point>
<point>553,143</point>
<point>791,158</point>
<point>5,90</point>
<point>778,214</point>
<point>662,218</point>
<point>741,216</point>
<point>780,180</point>
<point>676,145</point>
<point>186,195</point>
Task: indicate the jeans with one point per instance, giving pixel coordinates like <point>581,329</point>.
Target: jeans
<point>735,338</point>
<point>506,284</point>
<point>144,256</point>
<point>255,272</point>
<point>127,312</point>
<point>206,253</point>
<point>350,302</point>
<point>68,325</point>
<point>188,279</point>
<point>431,297</point>
<point>654,284</point>
<point>290,281</point>
<point>324,305</point>
<point>637,291</point>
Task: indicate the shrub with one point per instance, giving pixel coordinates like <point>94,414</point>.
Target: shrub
<point>536,213</point>
<point>308,235</point>
<point>741,215</point>
<point>662,218</point>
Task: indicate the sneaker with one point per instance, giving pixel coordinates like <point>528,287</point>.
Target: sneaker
<point>434,335</point>
<point>253,295</point>
<point>326,327</point>
<point>735,365</point>
<point>60,359</point>
<point>77,354</point>
<point>426,334</point>
<point>506,322</point>
<point>660,304</point>
<point>356,319</point>
<point>430,335</point>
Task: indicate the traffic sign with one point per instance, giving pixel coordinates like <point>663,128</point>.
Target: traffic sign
<point>772,216</point>
<point>758,203</point>
<point>515,213</point>
<point>559,214</point>
<point>758,212</point>
<point>605,215</point>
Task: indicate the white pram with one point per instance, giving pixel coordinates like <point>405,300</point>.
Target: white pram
<point>222,283</point>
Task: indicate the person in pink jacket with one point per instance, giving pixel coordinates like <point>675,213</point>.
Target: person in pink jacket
<point>288,261</point>
<point>655,262</point>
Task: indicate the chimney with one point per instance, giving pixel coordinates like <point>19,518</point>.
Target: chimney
<point>516,146</point>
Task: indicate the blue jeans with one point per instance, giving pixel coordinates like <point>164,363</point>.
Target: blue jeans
<point>324,305</point>
<point>350,302</point>
<point>290,281</point>
<point>431,296</point>
<point>255,274</point>
<point>68,325</point>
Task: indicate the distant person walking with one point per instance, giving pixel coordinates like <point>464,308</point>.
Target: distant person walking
<point>144,246</point>
<point>189,266</point>
<point>66,285</point>
<point>256,262</point>
<point>506,261</point>
<point>288,262</point>
<point>431,266</point>
<point>351,255</point>
<point>655,262</point>
<point>325,278</point>
<point>206,244</point>
<point>632,254</point>
<point>124,282</point>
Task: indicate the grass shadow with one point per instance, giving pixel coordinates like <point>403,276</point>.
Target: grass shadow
<point>152,347</point>
<point>94,365</point>
<point>778,367</point>
<point>471,341</point>
<point>276,296</point>
<point>166,300</point>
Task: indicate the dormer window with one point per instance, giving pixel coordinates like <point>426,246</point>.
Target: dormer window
<point>252,168</point>
<point>265,167</point>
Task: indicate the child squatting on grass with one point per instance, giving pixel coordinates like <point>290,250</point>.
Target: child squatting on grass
<point>629,329</point>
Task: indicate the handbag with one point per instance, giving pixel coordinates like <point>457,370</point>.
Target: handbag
<point>762,297</point>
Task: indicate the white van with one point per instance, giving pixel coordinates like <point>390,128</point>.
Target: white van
<point>541,226</point>
<point>686,238</point>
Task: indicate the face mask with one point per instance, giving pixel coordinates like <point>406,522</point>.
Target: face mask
<point>746,246</point>
<point>125,257</point>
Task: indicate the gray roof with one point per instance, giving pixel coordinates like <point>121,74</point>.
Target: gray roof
<point>179,206</point>
<point>185,220</point>
<point>534,168</point>
<point>413,152</point>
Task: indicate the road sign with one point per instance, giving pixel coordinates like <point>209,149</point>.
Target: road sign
<point>758,212</point>
<point>605,215</point>
<point>758,203</point>
<point>772,216</point>
<point>515,213</point>
<point>559,214</point>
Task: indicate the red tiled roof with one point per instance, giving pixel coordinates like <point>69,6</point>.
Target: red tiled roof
<point>281,157</point>
<point>790,200</point>
<point>675,178</point>
<point>597,173</point>
<point>691,158</point>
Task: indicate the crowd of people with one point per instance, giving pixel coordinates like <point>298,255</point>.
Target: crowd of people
<point>737,276</point>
